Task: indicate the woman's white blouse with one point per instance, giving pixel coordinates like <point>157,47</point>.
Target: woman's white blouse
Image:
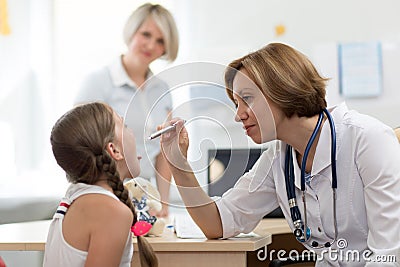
<point>368,192</point>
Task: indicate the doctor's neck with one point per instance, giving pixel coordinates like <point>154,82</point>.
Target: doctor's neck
<point>296,131</point>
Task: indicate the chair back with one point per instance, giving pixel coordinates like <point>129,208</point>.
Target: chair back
<point>397,132</point>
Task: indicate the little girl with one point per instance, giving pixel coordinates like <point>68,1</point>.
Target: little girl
<point>92,225</point>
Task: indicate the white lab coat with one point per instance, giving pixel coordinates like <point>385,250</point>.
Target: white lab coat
<point>368,193</point>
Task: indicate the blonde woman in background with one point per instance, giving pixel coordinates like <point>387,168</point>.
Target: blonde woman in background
<point>129,87</point>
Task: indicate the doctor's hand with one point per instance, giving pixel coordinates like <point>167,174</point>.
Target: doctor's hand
<point>175,144</point>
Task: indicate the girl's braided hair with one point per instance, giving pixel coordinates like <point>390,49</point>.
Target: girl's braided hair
<point>79,139</point>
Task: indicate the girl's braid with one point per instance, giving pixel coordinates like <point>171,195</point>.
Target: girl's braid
<point>107,165</point>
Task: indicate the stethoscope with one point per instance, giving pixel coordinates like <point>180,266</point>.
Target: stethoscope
<point>302,231</point>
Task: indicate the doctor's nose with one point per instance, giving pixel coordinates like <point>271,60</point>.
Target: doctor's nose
<point>237,119</point>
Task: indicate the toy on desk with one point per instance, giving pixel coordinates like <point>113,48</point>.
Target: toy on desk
<point>145,197</point>
<point>2,264</point>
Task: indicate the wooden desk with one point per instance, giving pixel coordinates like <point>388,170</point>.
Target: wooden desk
<point>26,236</point>
<point>272,226</point>
<point>282,239</point>
<point>171,251</point>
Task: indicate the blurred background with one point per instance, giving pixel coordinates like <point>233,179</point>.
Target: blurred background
<point>48,46</point>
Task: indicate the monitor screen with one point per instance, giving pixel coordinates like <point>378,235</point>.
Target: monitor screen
<point>226,166</point>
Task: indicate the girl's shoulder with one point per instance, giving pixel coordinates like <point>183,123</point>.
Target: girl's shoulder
<point>94,203</point>
<point>98,205</point>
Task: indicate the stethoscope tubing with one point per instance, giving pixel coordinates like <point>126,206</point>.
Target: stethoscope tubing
<point>290,188</point>
<point>294,211</point>
<point>308,147</point>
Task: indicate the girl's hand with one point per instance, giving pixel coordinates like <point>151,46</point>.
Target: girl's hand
<point>174,144</point>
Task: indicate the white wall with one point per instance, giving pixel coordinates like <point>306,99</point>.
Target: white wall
<point>220,31</point>
<point>25,84</point>
<point>385,105</point>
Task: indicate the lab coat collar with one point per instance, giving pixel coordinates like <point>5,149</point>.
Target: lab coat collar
<point>119,76</point>
<point>322,158</point>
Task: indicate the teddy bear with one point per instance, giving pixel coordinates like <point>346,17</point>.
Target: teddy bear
<point>146,199</point>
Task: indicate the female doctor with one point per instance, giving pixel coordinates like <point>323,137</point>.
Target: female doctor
<point>344,165</point>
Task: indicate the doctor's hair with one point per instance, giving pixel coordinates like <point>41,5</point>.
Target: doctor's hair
<point>285,76</point>
<point>79,139</point>
<point>164,20</point>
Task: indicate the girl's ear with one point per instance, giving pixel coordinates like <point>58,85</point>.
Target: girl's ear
<point>114,151</point>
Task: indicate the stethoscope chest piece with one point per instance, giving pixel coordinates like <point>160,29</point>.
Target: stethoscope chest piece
<point>299,234</point>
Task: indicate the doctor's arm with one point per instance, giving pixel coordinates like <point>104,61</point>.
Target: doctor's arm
<point>378,165</point>
<point>201,207</point>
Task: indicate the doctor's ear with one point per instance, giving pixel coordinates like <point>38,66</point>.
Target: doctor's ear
<point>114,151</point>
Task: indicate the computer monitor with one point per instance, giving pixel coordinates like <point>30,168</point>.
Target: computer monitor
<point>226,166</point>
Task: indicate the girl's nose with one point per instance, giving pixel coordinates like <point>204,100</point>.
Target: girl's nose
<point>241,113</point>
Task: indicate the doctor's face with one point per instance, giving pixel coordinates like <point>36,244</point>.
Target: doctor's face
<point>253,109</point>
